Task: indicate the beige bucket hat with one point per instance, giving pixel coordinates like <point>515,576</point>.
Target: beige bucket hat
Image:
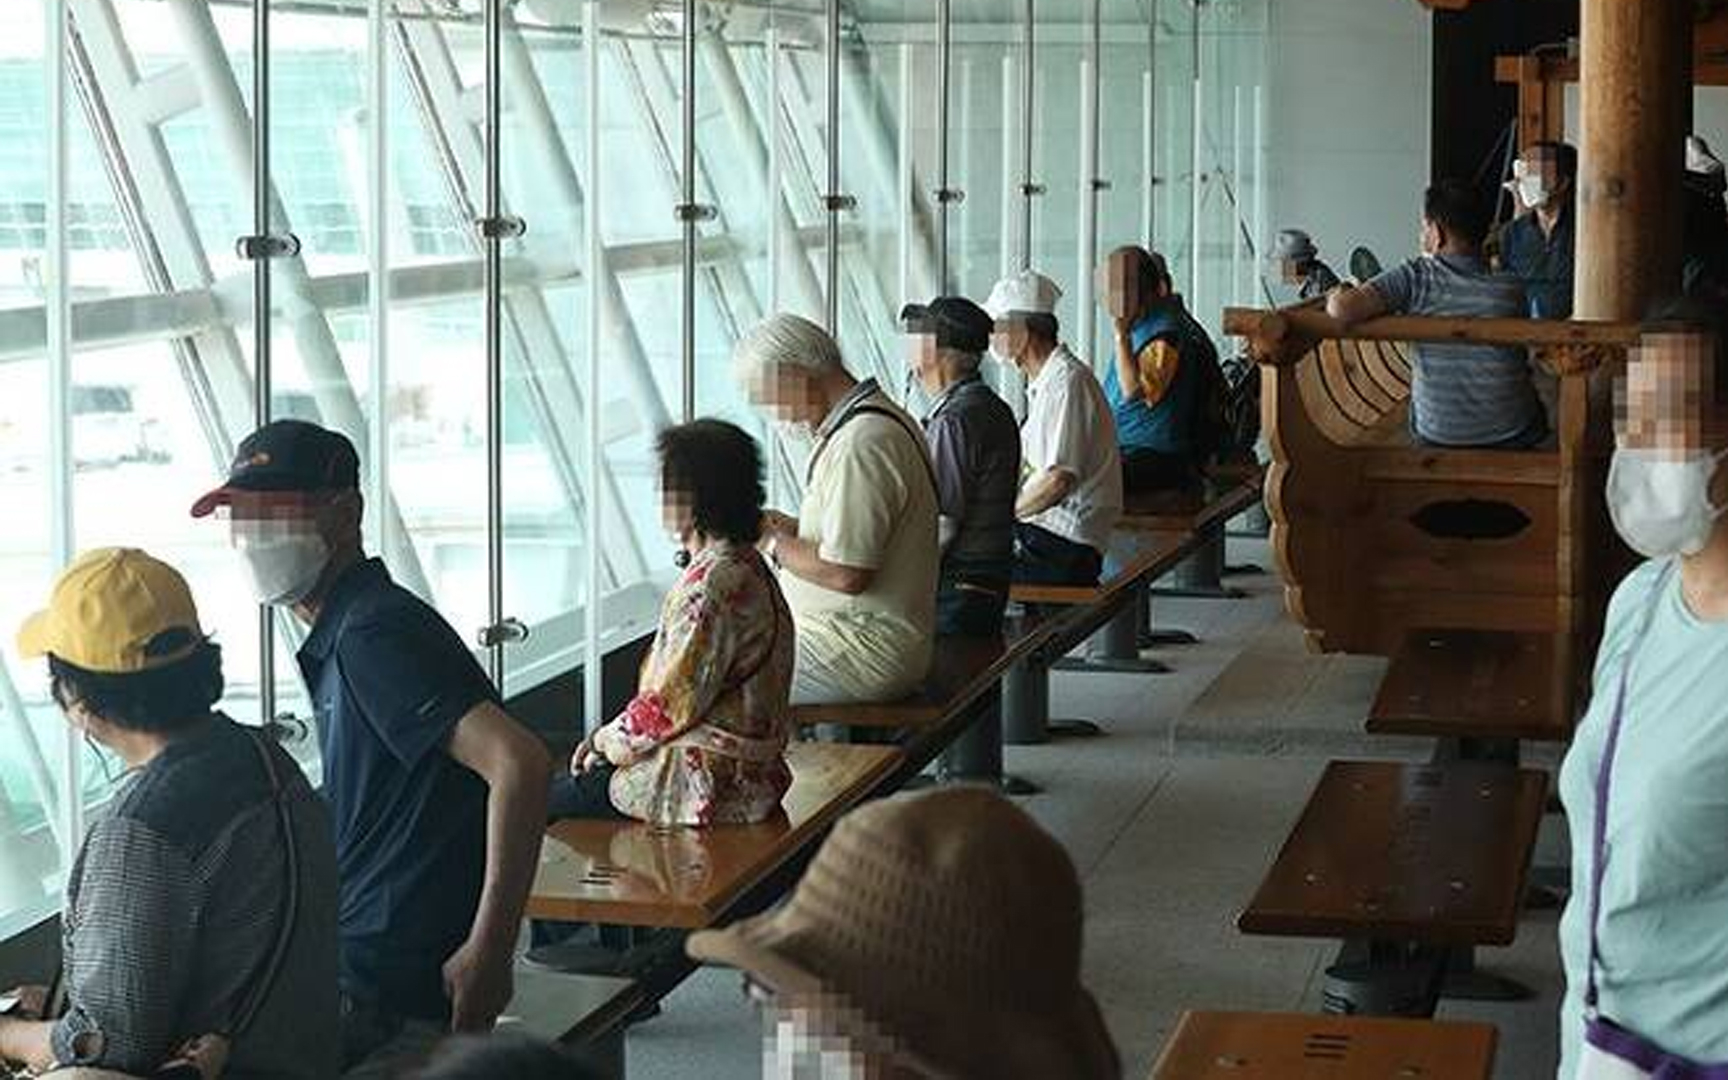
<point>951,924</point>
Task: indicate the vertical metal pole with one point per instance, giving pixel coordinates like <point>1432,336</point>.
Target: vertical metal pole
<point>1236,188</point>
<point>595,295</point>
<point>378,265</point>
<point>1007,237</point>
<point>1089,179</point>
<point>831,281</point>
<point>261,315</point>
<point>776,192</point>
<point>1168,201</point>
<point>1149,104</point>
<point>687,98</point>
<point>1028,110</point>
<point>904,172</point>
<point>493,246</point>
<point>1259,185</point>
<point>944,76</point>
<point>1197,127</point>
<point>58,300</point>
<point>962,166</point>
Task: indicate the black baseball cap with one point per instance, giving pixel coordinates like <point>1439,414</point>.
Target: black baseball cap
<point>287,455</point>
<point>957,322</point>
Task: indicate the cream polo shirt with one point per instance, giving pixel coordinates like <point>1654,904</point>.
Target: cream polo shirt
<point>1068,425</point>
<point>870,502</point>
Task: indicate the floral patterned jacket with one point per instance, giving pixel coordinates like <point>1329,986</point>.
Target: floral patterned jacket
<point>704,739</point>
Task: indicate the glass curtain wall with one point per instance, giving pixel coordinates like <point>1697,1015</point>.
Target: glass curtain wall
<point>500,245</point>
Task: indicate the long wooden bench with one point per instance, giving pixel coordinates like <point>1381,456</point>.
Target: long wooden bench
<point>636,874</point>
<point>1479,691</point>
<point>962,670</point>
<point>1375,537</point>
<point>1230,492</point>
<point>1403,863</point>
<point>1290,1046</point>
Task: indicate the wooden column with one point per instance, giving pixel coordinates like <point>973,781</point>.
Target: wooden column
<point>1636,85</point>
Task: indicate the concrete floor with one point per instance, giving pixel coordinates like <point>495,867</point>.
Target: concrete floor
<point>1171,820</point>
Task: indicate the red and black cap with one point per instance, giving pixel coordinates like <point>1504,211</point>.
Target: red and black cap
<point>287,455</point>
<point>956,322</point>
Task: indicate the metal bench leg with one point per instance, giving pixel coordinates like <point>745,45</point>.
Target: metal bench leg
<point>1383,978</point>
<point>1117,646</point>
<point>1145,637</point>
<point>1201,574</point>
<point>1464,981</point>
<point>1026,708</point>
<point>1254,524</point>
<point>976,756</point>
<point>606,1054</point>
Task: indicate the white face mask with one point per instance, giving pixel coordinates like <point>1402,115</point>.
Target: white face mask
<point>1661,505</point>
<point>284,567</point>
<point>1533,191</point>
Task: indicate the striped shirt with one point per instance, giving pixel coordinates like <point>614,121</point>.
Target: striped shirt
<point>1464,395</point>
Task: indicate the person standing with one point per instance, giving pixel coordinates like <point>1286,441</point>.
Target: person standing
<point>1071,471</point>
<point>1299,265</point>
<point>975,447</point>
<point>439,796</point>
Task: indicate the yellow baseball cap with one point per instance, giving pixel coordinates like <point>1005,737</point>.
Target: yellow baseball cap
<point>109,611</point>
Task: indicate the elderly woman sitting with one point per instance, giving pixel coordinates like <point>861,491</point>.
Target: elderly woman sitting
<point>704,739</point>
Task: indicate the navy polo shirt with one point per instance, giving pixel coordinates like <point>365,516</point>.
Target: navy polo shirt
<point>1543,262</point>
<point>389,681</point>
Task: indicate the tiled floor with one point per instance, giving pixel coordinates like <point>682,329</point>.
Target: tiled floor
<point>1171,819</point>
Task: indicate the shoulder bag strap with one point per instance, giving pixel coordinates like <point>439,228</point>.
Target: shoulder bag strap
<point>1604,777</point>
<point>866,408</point>
<point>271,967</point>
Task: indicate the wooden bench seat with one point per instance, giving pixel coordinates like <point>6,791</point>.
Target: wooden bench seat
<point>1144,559</point>
<point>1290,1046</point>
<point>635,874</point>
<point>1477,684</point>
<point>1232,493</point>
<point>961,671</point>
<point>1437,855</point>
<point>589,1011</point>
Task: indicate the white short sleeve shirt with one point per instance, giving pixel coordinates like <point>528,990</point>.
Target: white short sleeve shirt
<point>1068,425</point>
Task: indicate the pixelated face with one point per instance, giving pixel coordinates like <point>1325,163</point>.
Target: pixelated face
<point>821,1036</point>
<point>1666,402</point>
<point>1009,339</point>
<point>1290,271</point>
<point>788,395</point>
<point>922,356</point>
<point>267,518</point>
<point>677,511</point>
<point>1543,162</point>
<point>1119,286</point>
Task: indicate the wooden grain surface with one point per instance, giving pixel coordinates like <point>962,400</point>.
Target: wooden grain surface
<point>1290,1046</point>
<point>635,874</point>
<point>1479,684</point>
<point>1396,852</point>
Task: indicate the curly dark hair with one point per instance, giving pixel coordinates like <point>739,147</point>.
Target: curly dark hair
<point>165,699</point>
<point>718,467</point>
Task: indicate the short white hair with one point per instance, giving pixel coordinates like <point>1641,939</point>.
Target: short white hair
<point>781,341</point>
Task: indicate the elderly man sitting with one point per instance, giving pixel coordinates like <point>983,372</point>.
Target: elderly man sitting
<point>858,565</point>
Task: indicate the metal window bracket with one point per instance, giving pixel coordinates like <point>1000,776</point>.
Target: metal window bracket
<point>949,195</point>
<point>1099,184</point>
<point>508,632</point>
<point>688,212</point>
<point>267,246</point>
<point>1032,190</point>
<point>502,227</point>
<point>839,202</point>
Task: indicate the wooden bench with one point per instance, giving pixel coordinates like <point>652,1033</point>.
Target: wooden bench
<point>636,874</point>
<point>1403,863</point>
<point>1375,537</point>
<point>962,669</point>
<point>1230,492</point>
<point>1290,1046</point>
<point>1480,691</point>
<point>589,1011</point>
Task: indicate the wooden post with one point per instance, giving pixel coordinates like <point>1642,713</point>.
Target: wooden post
<point>1636,83</point>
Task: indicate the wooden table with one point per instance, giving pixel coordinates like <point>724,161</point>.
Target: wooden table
<point>1418,853</point>
<point>1288,1046</point>
<point>635,874</point>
